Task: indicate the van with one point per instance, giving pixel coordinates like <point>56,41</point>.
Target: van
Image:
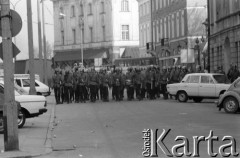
<point>23,81</point>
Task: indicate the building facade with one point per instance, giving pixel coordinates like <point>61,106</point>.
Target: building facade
<point>224,33</point>
<point>176,26</point>
<point>144,26</point>
<point>108,27</point>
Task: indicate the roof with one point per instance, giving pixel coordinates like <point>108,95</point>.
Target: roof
<point>73,55</point>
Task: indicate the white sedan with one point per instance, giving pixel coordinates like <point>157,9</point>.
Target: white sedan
<point>31,105</point>
<point>198,86</point>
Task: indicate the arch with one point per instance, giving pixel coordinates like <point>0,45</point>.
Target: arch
<point>227,54</point>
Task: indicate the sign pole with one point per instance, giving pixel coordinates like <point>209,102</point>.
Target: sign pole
<point>11,141</point>
<point>30,49</point>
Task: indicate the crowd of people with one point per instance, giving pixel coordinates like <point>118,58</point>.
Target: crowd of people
<point>81,85</point>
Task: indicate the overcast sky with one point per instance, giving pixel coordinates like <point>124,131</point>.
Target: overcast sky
<point>22,42</point>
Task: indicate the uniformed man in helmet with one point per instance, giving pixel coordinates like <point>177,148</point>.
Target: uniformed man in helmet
<point>57,81</point>
<point>163,82</point>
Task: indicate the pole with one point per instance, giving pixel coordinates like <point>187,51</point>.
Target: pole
<point>81,40</point>
<point>208,27</point>
<point>40,41</point>
<point>151,23</point>
<point>44,45</point>
<point>30,48</point>
<point>11,141</point>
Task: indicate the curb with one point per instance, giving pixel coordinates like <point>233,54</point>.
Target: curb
<point>47,144</point>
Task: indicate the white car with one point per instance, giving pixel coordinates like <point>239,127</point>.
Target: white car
<point>31,105</point>
<point>23,81</point>
<point>198,86</point>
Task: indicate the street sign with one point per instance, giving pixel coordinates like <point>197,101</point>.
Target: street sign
<point>15,23</point>
<point>16,51</point>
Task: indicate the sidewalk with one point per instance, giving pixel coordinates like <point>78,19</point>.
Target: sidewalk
<point>35,136</point>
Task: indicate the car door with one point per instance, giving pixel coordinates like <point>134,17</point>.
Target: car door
<point>207,88</point>
<point>193,85</point>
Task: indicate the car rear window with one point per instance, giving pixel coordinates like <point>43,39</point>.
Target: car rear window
<point>221,78</point>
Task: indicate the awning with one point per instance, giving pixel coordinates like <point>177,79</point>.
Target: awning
<point>132,52</point>
<point>205,48</point>
<point>73,55</point>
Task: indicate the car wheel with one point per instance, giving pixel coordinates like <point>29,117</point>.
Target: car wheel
<point>197,100</point>
<point>182,96</point>
<point>230,105</point>
<point>21,119</point>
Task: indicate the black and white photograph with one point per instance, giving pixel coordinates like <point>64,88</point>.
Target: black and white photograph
<point>119,78</point>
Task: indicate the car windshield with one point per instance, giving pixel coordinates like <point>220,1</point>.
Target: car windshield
<point>221,78</point>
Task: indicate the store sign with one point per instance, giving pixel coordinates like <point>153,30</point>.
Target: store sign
<point>187,56</point>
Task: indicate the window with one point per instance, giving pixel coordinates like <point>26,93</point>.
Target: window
<point>178,21</point>
<point>89,9</point>
<point>73,11</point>
<point>26,83</point>
<point>124,6</point>
<point>104,33</point>
<point>182,22</point>
<point>91,34</point>
<point>18,81</point>
<point>74,36</point>
<point>102,7</point>
<point>194,79</point>
<point>204,79</point>
<point>125,32</point>
<point>61,13</point>
<point>81,10</point>
<point>173,26</point>
<point>62,36</point>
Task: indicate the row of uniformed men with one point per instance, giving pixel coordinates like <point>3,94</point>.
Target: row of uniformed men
<point>81,86</point>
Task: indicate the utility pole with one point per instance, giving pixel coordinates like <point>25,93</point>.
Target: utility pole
<point>40,41</point>
<point>11,141</point>
<point>44,45</point>
<point>30,48</point>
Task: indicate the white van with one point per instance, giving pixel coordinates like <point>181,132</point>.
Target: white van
<point>23,81</point>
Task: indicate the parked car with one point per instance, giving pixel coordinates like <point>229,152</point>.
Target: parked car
<point>31,105</point>
<point>230,100</point>
<point>23,81</point>
<point>21,118</point>
<point>198,86</point>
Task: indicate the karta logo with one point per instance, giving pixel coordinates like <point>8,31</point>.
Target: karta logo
<point>153,143</point>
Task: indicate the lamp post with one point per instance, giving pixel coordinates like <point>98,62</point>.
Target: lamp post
<point>81,34</point>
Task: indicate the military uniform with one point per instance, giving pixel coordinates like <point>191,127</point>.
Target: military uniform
<point>104,81</point>
<point>129,84</point>
<point>75,85</point>
<point>163,83</point>
<point>82,83</point>
<point>138,82</point>
<point>57,81</point>
<point>150,83</point>
<point>93,82</point>
<point>68,86</point>
<point>117,83</point>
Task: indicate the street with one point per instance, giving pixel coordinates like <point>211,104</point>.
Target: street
<point>114,129</point>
